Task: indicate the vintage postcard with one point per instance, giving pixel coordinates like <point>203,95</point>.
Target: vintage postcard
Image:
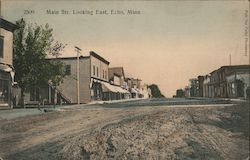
<point>124,79</point>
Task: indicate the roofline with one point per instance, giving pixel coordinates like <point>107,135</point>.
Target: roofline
<point>233,66</point>
<point>7,25</point>
<point>92,53</point>
<point>116,67</point>
<point>116,75</point>
<point>67,58</point>
<point>133,78</point>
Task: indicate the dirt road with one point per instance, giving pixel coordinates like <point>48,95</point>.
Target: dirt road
<point>148,132</point>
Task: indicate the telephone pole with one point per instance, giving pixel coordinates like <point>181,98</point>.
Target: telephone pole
<point>230,60</point>
<point>78,50</point>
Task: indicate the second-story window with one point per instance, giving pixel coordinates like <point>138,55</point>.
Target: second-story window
<point>68,70</point>
<point>93,70</point>
<point>97,74</point>
<point>1,46</point>
<point>103,74</point>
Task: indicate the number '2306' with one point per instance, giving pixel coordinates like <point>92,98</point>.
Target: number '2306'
<point>28,11</point>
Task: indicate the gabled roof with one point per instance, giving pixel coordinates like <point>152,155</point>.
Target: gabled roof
<point>7,25</point>
<point>118,71</point>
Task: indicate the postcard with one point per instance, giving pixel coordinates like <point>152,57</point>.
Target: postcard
<point>125,79</point>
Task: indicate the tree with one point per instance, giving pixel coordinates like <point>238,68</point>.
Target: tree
<point>32,43</point>
<point>180,93</point>
<point>155,91</point>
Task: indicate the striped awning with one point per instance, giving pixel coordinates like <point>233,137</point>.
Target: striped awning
<point>107,87</point>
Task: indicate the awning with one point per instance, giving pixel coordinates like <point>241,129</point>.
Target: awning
<point>8,69</point>
<point>93,80</point>
<point>112,88</point>
<point>133,90</point>
<point>5,68</point>
<point>121,90</point>
<point>106,87</point>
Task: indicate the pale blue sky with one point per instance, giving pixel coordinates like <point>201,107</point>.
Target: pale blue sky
<point>167,44</point>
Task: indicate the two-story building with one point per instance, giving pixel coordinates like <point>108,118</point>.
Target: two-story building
<point>228,82</point>
<point>6,62</point>
<point>93,73</point>
<point>234,81</point>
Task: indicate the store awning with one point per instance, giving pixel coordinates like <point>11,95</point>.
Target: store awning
<point>133,90</point>
<point>121,90</point>
<point>8,69</point>
<point>5,68</point>
<point>107,87</point>
<point>93,80</point>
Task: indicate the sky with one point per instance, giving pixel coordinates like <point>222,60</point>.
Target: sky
<point>168,43</point>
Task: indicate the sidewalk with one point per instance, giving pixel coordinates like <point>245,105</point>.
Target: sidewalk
<point>15,113</point>
<point>34,110</point>
<point>224,99</point>
<point>117,101</point>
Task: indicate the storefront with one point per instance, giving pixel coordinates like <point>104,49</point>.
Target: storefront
<point>6,81</point>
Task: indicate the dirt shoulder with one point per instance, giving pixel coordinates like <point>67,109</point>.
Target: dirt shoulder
<point>129,133</point>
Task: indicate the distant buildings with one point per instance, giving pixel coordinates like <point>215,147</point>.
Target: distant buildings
<point>6,62</point>
<point>225,82</point>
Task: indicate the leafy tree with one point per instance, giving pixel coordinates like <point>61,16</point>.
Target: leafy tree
<point>155,91</point>
<point>32,43</point>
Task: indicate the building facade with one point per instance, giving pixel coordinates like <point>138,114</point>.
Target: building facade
<point>6,62</point>
<point>206,86</point>
<point>117,78</point>
<point>135,87</point>
<point>230,81</point>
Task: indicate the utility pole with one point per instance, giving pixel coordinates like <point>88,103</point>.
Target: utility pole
<point>78,74</point>
<point>0,8</point>
<point>230,60</point>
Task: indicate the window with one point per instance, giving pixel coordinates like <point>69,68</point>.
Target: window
<point>97,71</point>
<point>1,46</point>
<point>103,74</point>
<point>68,69</point>
<point>93,70</point>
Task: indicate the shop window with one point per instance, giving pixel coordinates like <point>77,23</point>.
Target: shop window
<point>1,46</point>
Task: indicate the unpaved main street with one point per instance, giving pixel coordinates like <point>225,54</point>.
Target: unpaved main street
<point>146,129</point>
